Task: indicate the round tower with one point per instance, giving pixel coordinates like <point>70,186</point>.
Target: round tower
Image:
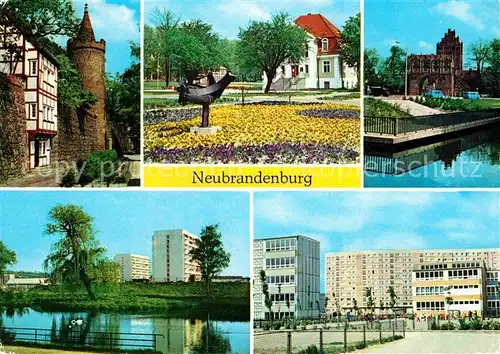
<point>89,57</point>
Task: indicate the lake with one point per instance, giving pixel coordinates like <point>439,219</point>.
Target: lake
<point>470,161</point>
<point>179,335</point>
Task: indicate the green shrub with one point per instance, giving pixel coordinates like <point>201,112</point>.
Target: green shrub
<point>434,325</point>
<point>69,178</point>
<point>100,165</point>
<point>277,326</point>
<point>450,326</point>
<point>266,326</point>
<point>294,326</point>
<point>312,349</point>
<point>360,346</point>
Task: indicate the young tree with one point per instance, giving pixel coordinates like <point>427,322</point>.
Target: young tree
<point>350,47</point>
<point>355,306</point>
<point>369,303</point>
<point>7,258</point>
<point>491,75</point>
<point>76,255</point>
<point>268,45</point>
<point>393,297</point>
<point>210,254</point>
<point>265,291</point>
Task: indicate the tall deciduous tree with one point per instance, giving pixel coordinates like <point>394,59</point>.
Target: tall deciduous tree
<point>70,86</point>
<point>76,256</point>
<point>46,18</point>
<point>371,65</point>
<point>350,47</point>
<point>479,52</point>
<point>268,45</point>
<point>393,69</point>
<point>393,297</point>
<point>491,75</point>
<point>7,258</point>
<point>210,254</point>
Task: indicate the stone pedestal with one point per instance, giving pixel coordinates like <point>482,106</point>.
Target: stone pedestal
<point>205,131</point>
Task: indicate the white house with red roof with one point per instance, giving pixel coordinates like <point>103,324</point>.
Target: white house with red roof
<point>321,68</point>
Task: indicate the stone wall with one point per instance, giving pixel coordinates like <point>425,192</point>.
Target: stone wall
<point>13,135</point>
<point>75,139</point>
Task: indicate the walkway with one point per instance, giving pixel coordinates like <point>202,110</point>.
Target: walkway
<point>42,177</point>
<point>411,107</point>
<point>29,350</point>
<point>441,342</point>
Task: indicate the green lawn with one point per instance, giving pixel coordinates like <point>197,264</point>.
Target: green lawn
<point>378,108</point>
<point>225,299</point>
<point>488,103</point>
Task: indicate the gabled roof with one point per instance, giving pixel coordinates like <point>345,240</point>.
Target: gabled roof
<point>317,25</point>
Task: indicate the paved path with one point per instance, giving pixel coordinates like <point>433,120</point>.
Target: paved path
<point>413,108</point>
<point>442,343</point>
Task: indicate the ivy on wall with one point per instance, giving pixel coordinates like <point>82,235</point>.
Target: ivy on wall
<point>5,94</point>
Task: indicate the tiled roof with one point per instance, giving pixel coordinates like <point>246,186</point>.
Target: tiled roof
<point>317,25</point>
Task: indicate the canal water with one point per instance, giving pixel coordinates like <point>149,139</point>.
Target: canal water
<point>471,160</point>
<point>179,335</point>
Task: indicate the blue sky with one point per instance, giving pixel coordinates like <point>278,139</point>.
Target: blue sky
<point>420,24</point>
<point>126,220</point>
<point>117,22</point>
<point>354,221</point>
<point>227,16</point>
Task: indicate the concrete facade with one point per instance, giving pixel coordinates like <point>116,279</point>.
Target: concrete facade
<point>348,274</point>
<point>292,267</point>
<point>134,267</point>
<point>171,259</point>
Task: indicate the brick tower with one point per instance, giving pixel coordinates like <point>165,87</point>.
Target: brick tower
<point>89,56</point>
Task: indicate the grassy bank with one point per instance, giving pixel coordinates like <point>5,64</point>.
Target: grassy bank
<point>230,301</point>
<point>378,108</point>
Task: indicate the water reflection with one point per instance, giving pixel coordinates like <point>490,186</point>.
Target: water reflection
<point>459,161</point>
<point>179,335</point>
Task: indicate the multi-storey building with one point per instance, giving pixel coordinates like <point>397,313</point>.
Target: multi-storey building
<point>322,68</point>
<point>348,274</point>
<point>292,268</point>
<point>134,267</point>
<point>171,256</point>
<point>493,292</point>
<point>457,287</point>
<point>22,56</point>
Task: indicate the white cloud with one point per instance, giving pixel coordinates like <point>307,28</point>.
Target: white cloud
<point>244,8</point>
<point>388,241</point>
<point>424,45</point>
<point>111,21</point>
<point>462,11</point>
<point>280,209</point>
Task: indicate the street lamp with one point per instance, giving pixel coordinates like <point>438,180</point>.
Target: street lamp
<point>406,69</point>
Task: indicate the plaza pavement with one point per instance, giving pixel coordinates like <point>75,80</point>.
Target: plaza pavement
<point>442,342</point>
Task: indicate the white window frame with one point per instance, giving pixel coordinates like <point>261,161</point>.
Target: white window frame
<point>324,44</point>
<point>325,66</point>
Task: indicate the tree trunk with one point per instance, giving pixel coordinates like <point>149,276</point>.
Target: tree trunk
<point>88,283</point>
<point>167,73</point>
<point>270,76</point>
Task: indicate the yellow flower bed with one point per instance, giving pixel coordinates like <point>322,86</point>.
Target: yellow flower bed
<point>259,124</point>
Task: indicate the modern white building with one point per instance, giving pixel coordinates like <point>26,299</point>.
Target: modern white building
<point>134,267</point>
<point>493,293</point>
<point>171,259</point>
<point>292,268</point>
<point>457,288</point>
<point>23,57</point>
<point>322,68</point>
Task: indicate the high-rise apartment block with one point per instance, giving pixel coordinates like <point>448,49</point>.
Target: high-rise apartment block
<point>171,256</point>
<point>292,268</point>
<point>348,274</point>
<point>134,267</point>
